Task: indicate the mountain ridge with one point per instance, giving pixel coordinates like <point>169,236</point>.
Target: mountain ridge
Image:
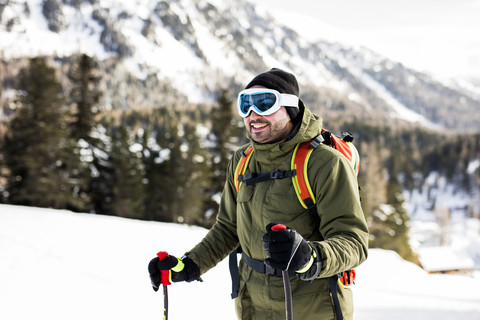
<point>199,46</point>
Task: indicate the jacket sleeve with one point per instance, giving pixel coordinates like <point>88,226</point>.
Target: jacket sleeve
<point>342,222</point>
<point>222,238</point>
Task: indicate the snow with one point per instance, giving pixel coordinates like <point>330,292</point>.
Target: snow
<point>40,40</point>
<point>388,287</point>
<point>444,224</point>
<point>56,264</point>
<point>473,166</point>
<point>399,110</point>
<point>440,258</point>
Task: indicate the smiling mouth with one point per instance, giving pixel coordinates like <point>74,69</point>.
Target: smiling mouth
<point>258,125</point>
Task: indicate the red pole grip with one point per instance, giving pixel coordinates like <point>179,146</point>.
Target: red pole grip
<point>164,274</point>
<point>279,227</point>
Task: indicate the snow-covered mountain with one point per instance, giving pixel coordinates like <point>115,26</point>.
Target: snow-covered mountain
<point>197,46</point>
<point>56,264</point>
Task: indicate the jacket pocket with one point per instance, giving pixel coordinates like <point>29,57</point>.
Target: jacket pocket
<point>282,205</point>
<point>282,198</point>
<point>310,300</point>
<point>299,288</point>
<point>346,301</point>
<point>245,193</point>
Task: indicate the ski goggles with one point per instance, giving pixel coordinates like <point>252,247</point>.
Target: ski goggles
<point>263,101</point>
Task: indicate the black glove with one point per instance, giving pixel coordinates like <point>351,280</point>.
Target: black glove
<point>181,270</point>
<point>286,248</point>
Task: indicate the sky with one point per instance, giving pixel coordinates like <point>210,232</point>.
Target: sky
<point>56,265</point>
<point>437,36</point>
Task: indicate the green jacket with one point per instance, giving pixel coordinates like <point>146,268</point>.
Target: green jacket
<point>342,236</point>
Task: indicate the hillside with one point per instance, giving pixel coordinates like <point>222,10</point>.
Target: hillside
<point>185,50</point>
<point>58,265</point>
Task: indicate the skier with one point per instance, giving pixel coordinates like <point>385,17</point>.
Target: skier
<point>314,250</point>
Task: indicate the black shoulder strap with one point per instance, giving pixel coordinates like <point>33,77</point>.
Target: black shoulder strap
<point>252,178</point>
<point>333,284</point>
<point>233,266</point>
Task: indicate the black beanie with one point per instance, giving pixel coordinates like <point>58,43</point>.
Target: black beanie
<point>281,81</point>
<point>276,79</point>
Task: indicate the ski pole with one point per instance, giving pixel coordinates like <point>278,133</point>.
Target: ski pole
<point>165,302</point>
<point>288,295</point>
<point>286,281</point>
<point>165,281</point>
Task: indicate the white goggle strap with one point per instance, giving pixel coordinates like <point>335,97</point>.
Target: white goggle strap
<point>288,100</point>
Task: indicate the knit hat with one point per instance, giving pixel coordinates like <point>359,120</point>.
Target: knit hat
<point>281,81</point>
<point>276,79</point>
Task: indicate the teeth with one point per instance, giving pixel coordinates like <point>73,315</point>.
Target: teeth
<point>258,125</point>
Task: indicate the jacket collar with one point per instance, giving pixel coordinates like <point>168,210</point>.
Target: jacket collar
<point>308,128</point>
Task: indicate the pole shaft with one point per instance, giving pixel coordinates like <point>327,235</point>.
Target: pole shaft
<point>288,295</point>
<point>165,302</point>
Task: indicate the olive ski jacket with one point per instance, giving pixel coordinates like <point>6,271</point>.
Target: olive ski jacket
<point>341,237</point>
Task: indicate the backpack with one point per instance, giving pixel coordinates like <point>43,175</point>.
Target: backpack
<point>298,173</point>
<point>299,163</point>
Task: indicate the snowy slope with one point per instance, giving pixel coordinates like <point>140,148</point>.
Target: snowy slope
<point>62,265</point>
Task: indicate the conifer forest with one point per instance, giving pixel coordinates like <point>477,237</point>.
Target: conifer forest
<point>59,148</point>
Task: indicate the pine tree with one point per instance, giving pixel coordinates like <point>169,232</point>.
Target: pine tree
<point>84,97</point>
<point>389,224</point>
<point>160,169</point>
<point>176,169</point>
<point>158,138</point>
<point>173,181</point>
<point>398,224</point>
<point>128,191</point>
<point>222,131</point>
<point>152,161</point>
<point>196,175</point>
<point>373,179</point>
<point>37,147</point>
<point>227,133</point>
<point>102,172</point>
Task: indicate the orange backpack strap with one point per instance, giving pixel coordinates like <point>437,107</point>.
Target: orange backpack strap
<point>345,146</point>
<point>242,166</point>
<point>300,157</point>
<point>233,264</point>
<point>355,158</point>
<point>299,163</point>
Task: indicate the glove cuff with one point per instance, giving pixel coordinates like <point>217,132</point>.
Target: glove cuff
<point>179,266</point>
<point>189,272</point>
<point>312,269</point>
<point>310,262</point>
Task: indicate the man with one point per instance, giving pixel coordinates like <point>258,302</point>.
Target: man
<point>276,121</point>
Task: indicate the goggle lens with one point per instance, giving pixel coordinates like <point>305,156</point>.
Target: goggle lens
<point>261,101</point>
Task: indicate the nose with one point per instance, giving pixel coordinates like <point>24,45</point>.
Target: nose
<point>253,115</point>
